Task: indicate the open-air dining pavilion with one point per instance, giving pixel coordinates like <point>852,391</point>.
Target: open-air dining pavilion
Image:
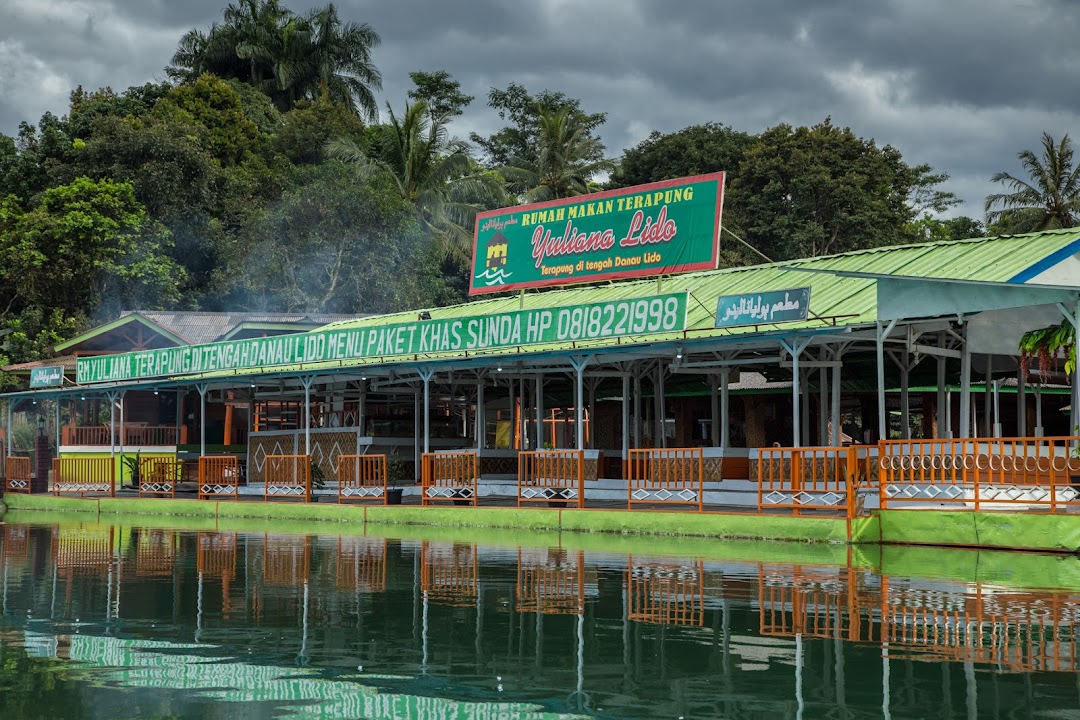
<point>900,385</point>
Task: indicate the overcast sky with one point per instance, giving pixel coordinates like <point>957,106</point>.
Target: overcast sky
<point>960,84</point>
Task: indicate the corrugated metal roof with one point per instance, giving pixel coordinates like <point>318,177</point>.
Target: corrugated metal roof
<point>834,301</point>
<point>205,327</point>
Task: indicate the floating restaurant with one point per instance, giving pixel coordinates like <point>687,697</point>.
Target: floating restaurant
<point>638,376</point>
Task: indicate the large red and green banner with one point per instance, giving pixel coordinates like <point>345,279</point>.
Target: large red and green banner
<point>656,229</point>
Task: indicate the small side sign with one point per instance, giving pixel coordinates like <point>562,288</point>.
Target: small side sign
<point>50,376</point>
<point>764,308</point>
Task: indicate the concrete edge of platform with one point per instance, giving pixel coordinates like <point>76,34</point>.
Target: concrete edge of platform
<point>963,529</point>
<point>623,522</point>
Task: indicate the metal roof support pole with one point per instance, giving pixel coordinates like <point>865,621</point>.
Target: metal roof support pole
<point>661,421</point>
<point>965,389</point>
<point>796,418</point>
<point>804,406</point>
<point>835,398</point>
<point>56,424</point>
<point>988,398</point>
<point>625,419</point>
<point>592,412</point>
<point>725,409</point>
<point>1038,411</point>
<point>179,413</point>
<point>823,402</point>
<point>361,410</point>
<point>714,409</point>
<point>997,408</point>
<point>425,375</point>
<point>202,388</point>
<point>11,403</point>
<point>943,430</point>
<point>905,400</point>
<point>637,406</point>
<point>416,434</point>
<point>481,416</point>
<point>882,333</point>
<point>538,384</point>
<point>306,382</point>
<point>120,396</point>
<point>1021,404</point>
<point>111,397</point>
<point>579,364</point>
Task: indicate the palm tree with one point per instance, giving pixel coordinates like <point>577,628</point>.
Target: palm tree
<point>288,57</point>
<point>1051,199</point>
<point>562,164</point>
<point>322,57</point>
<point>432,172</point>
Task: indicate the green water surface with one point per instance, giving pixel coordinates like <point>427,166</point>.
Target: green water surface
<point>105,620</point>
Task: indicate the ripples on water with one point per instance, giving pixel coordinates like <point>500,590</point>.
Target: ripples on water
<point>114,621</point>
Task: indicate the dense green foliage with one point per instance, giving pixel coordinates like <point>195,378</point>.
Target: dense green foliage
<point>255,179</point>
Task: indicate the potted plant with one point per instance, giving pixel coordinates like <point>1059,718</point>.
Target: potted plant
<point>395,478</point>
<point>318,480</point>
<point>558,497</point>
<point>132,465</point>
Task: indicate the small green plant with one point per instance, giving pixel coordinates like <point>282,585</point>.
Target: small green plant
<point>132,464</point>
<point>318,478</point>
<point>395,468</point>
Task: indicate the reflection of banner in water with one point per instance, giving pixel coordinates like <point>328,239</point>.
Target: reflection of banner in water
<point>665,593</point>
<point>553,582</point>
<point>89,549</point>
<point>361,564</point>
<point>155,552</point>
<point>132,663</point>
<point>449,573</point>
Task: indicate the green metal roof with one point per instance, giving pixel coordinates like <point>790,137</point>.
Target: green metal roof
<point>835,301</point>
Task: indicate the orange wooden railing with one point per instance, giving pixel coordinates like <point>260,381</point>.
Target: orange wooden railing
<point>672,476</point>
<point>795,479</point>
<point>84,475</point>
<point>361,477</point>
<point>18,474</point>
<point>219,477</point>
<point>134,435</point>
<point>552,476</point>
<point>812,602</point>
<point>664,593</point>
<point>449,574</point>
<point>288,476</point>
<point>361,564</point>
<point>991,472</point>
<point>555,586</point>
<point>158,476</point>
<point>450,476</point>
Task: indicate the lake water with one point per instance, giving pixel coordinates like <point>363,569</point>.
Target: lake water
<point>109,621</point>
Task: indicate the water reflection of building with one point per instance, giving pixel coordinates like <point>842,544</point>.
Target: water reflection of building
<point>286,560</point>
<point>361,564</point>
<point>15,543</point>
<point>665,592</point>
<point>215,559</point>
<point>1009,630</point>
<point>155,552</point>
<point>81,549</point>
<point>449,574</point>
<point>553,582</point>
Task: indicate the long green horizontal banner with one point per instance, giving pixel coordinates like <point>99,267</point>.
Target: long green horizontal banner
<point>594,321</point>
<point>656,229</point>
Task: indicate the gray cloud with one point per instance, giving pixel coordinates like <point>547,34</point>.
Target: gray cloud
<point>961,85</point>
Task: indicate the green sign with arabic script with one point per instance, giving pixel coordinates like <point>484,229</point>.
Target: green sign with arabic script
<point>593,321</point>
<point>764,308</point>
<point>47,376</point>
<point>657,229</point>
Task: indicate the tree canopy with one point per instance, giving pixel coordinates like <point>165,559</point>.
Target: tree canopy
<point>1047,200</point>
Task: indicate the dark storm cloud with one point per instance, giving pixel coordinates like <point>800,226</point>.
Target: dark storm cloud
<point>962,85</point>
